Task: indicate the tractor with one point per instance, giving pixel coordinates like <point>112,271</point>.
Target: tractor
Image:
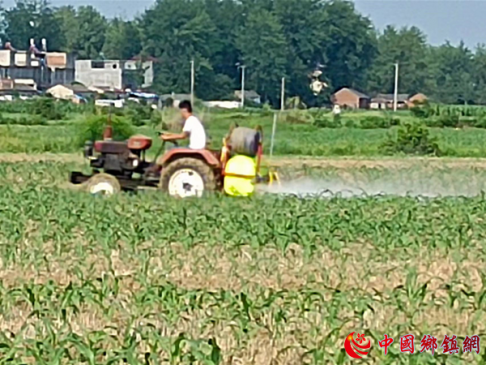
<point>181,172</point>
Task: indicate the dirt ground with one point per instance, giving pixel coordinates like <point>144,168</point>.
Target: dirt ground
<point>385,162</point>
<point>42,157</point>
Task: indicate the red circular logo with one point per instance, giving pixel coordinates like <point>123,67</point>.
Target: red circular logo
<point>357,348</point>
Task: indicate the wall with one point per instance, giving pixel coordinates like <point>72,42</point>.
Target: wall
<point>58,68</point>
<point>111,74</point>
<point>105,74</point>
<point>223,104</point>
<point>346,98</point>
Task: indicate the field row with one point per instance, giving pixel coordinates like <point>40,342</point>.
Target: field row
<point>307,176</point>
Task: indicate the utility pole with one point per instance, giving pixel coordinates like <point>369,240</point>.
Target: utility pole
<point>192,83</point>
<point>243,86</point>
<point>395,96</point>
<point>274,128</point>
<point>282,96</point>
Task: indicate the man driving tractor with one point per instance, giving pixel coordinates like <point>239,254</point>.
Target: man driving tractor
<point>192,129</point>
<point>181,172</point>
<point>240,170</point>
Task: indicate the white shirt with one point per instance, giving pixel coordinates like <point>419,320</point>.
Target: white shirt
<point>197,135</point>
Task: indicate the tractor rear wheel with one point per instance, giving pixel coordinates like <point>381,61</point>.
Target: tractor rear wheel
<point>103,184</point>
<point>187,177</point>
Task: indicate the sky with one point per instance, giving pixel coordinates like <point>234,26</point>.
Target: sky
<point>440,20</point>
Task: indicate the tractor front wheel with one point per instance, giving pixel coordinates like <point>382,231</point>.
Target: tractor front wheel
<point>187,177</point>
<point>103,184</point>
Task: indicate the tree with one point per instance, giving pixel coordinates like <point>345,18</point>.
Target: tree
<point>350,44</point>
<point>454,74</point>
<point>66,16</point>
<point>219,81</point>
<point>227,17</point>
<point>123,40</point>
<point>302,25</point>
<point>176,32</point>
<point>264,51</point>
<point>408,47</point>
<point>479,74</point>
<point>32,19</point>
<point>84,29</point>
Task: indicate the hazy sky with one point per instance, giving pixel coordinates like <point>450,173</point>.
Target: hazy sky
<point>441,20</point>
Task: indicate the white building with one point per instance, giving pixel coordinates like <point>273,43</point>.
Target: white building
<point>113,74</point>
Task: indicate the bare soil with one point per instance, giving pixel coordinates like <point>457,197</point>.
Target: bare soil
<point>41,157</point>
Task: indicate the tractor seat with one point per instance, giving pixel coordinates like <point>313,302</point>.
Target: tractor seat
<point>139,142</point>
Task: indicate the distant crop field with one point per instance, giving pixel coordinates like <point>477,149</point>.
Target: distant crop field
<point>291,139</point>
<point>44,125</point>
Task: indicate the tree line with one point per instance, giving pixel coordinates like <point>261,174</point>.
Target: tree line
<point>272,38</point>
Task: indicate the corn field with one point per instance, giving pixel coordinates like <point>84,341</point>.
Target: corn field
<point>438,110</point>
<point>143,279</point>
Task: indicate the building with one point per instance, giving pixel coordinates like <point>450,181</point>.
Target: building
<point>386,101</point>
<point>222,104</point>
<point>43,68</point>
<point>10,89</point>
<point>132,67</point>
<point>69,92</point>
<point>115,74</point>
<point>250,95</point>
<point>417,99</point>
<point>350,98</point>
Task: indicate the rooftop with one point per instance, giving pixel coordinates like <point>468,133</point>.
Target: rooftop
<point>355,92</point>
<point>391,97</point>
<point>249,94</point>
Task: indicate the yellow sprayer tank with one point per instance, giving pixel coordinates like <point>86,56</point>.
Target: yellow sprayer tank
<point>240,174</point>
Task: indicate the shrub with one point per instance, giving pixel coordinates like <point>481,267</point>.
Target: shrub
<point>449,120</point>
<point>372,122</point>
<point>138,113</point>
<point>393,121</point>
<point>93,126</point>
<point>349,123</point>
<point>412,138</point>
<point>120,112</point>
<point>299,117</point>
<point>23,120</point>
<point>480,123</point>
<point>327,123</point>
<point>336,118</point>
<point>155,118</point>
<point>16,106</point>
<point>435,122</point>
<point>422,110</point>
<point>46,107</point>
<point>28,120</point>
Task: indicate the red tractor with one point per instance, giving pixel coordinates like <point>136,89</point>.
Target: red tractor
<point>182,172</point>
